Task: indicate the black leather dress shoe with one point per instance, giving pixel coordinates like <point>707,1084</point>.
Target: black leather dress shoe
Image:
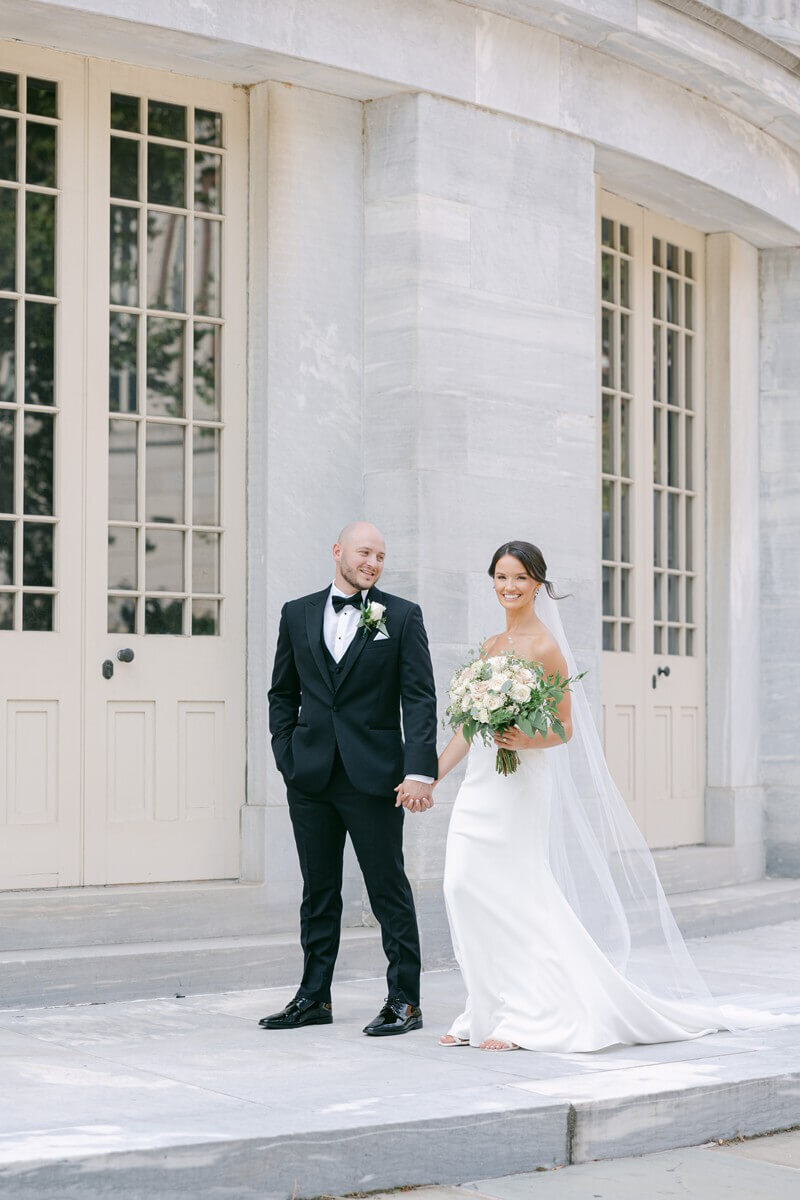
<point>395,1017</point>
<point>299,1012</point>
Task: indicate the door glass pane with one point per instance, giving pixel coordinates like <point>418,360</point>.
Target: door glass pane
<point>7,552</point>
<point>165,366</point>
<point>608,433</point>
<point>166,175</point>
<point>122,470</point>
<point>125,112</point>
<point>205,617</point>
<point>40,322</point>
<point>673,449</point>
<point>7,424</point>
<point>8,350</point>
<point>624,283</point>
<point>205,476</point>
<point>608,520</point>
<point>164,473</point>
<point>625,437</point>
<point>9,127</point>
<point>607,349</point>
<point>40,243</point>
<point>608,591</point>
<point>163,616</point>
<point>42,97</point>
<point>625,523</point>
<point>205,562</point>
<point>166,120</point>
<point>41,154</point>
<point>122,561</point>
<point>124,252</point>
<point>9,90</point>
<point>166,254</point>
<point>207,267</point>
<point>625,593</point>
<point>207,127</point>
<point>163,563</point>
<point>673,535</point>
<point>207,181</point>
<point>122,614</point>
<point>122,356</point>
<point>206,371</point>
<point>38,464</point>
<point>37,555</point>
<point>37,611</point>
<point>8,226</point>
<point>125,168</point>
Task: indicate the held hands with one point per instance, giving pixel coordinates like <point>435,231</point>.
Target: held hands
<point>414,795</point>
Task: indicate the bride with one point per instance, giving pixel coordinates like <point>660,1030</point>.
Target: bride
<point>559,923</point>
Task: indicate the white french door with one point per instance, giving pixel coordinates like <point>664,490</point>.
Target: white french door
<point>652,446</point>
<point>122,767</point>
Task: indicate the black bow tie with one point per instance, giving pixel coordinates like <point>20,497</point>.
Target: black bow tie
<point>340,602</point>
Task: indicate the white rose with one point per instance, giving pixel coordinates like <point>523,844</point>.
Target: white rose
<point>376,610</point>
<point>520,691</point>
<point>496,683</point>
<point>494,702</point>
<point>480,689</point>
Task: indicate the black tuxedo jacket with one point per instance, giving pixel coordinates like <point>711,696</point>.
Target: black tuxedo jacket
<point>310,714</point>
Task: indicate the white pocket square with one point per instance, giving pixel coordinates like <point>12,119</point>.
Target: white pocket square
<point>380,637</point>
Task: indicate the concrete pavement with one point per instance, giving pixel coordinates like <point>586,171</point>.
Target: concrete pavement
<point>161,1098</point>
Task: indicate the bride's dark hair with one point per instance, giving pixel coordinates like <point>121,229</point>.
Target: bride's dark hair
<point>532,560</point>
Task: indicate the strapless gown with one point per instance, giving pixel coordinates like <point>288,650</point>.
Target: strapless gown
<point>533,974</point>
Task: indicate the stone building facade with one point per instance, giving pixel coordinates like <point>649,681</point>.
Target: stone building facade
<point>473,269</point>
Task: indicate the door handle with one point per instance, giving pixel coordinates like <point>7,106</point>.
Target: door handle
<point>660,671</point>
<point>125,656</point>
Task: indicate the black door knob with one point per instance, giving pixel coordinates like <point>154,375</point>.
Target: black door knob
<point>662,671</point>
<point>127,656</point>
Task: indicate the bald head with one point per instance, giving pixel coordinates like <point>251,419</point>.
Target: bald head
<point>359,555</point>
<point>358,530</point>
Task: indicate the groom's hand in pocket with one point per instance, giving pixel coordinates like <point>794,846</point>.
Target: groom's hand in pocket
<point>414,795</point>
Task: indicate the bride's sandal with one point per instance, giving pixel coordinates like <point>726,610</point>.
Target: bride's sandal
<point>496,1046</point>
<point>447,1040</point>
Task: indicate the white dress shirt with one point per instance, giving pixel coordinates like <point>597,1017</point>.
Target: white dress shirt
<point>339,629</point>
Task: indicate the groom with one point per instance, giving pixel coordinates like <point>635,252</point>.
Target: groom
<point>347,659</point>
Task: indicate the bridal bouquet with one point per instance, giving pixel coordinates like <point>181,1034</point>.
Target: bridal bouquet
<point>489,695</point>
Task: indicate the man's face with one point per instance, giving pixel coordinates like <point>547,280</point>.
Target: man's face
<point>360,557</point>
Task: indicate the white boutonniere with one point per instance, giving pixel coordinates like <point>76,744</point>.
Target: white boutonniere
<point>372,618</point>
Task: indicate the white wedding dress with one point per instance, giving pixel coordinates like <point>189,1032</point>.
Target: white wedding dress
<point>559,924</point>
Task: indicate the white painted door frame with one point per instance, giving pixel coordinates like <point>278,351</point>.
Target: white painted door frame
<point>654,735</point>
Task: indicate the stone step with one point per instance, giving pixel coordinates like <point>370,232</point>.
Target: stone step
<point>135,971</point>
<point>87,974</point>
<point>742,906</point>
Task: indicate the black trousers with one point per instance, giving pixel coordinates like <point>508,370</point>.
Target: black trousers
<point>375,826</point>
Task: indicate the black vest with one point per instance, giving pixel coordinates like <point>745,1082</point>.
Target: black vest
<point>335,669</point>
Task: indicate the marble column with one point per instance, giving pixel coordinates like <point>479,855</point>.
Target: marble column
<point>305,413</point>
<point>480,386</point>
<point>780,554</point>
<point>734,796</point>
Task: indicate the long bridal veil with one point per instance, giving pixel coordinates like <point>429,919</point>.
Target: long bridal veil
<point>606,871</point>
